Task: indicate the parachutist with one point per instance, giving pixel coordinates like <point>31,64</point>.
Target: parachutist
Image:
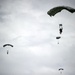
<point>60,28</point>
<point>58,42</point>
<point>7,52</point>
<point>60,31</point>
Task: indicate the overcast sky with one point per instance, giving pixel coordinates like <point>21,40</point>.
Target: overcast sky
<point>26,25</point>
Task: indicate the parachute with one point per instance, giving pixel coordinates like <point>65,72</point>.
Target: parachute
<point>55,10</point>
<point>58,9</point>
<point>8,45</point>
<point>58,37</point>
<point>61,69</point>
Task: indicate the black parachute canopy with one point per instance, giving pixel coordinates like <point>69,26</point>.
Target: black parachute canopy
<point>60,69</point>
<point>58,37</point>
<point>7,45</point>
<point>58,9</point>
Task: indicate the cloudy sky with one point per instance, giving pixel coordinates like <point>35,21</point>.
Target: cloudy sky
<point>26,25</point>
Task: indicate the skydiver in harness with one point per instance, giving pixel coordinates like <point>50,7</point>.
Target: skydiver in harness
<point>7,52</point>
<point>60,28</point>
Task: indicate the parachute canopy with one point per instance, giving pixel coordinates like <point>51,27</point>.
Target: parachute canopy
<point>60,69</point>
<point>7,45</point>
<point>58,9</point>
<point>60,25</point>
<point>58,37</point>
